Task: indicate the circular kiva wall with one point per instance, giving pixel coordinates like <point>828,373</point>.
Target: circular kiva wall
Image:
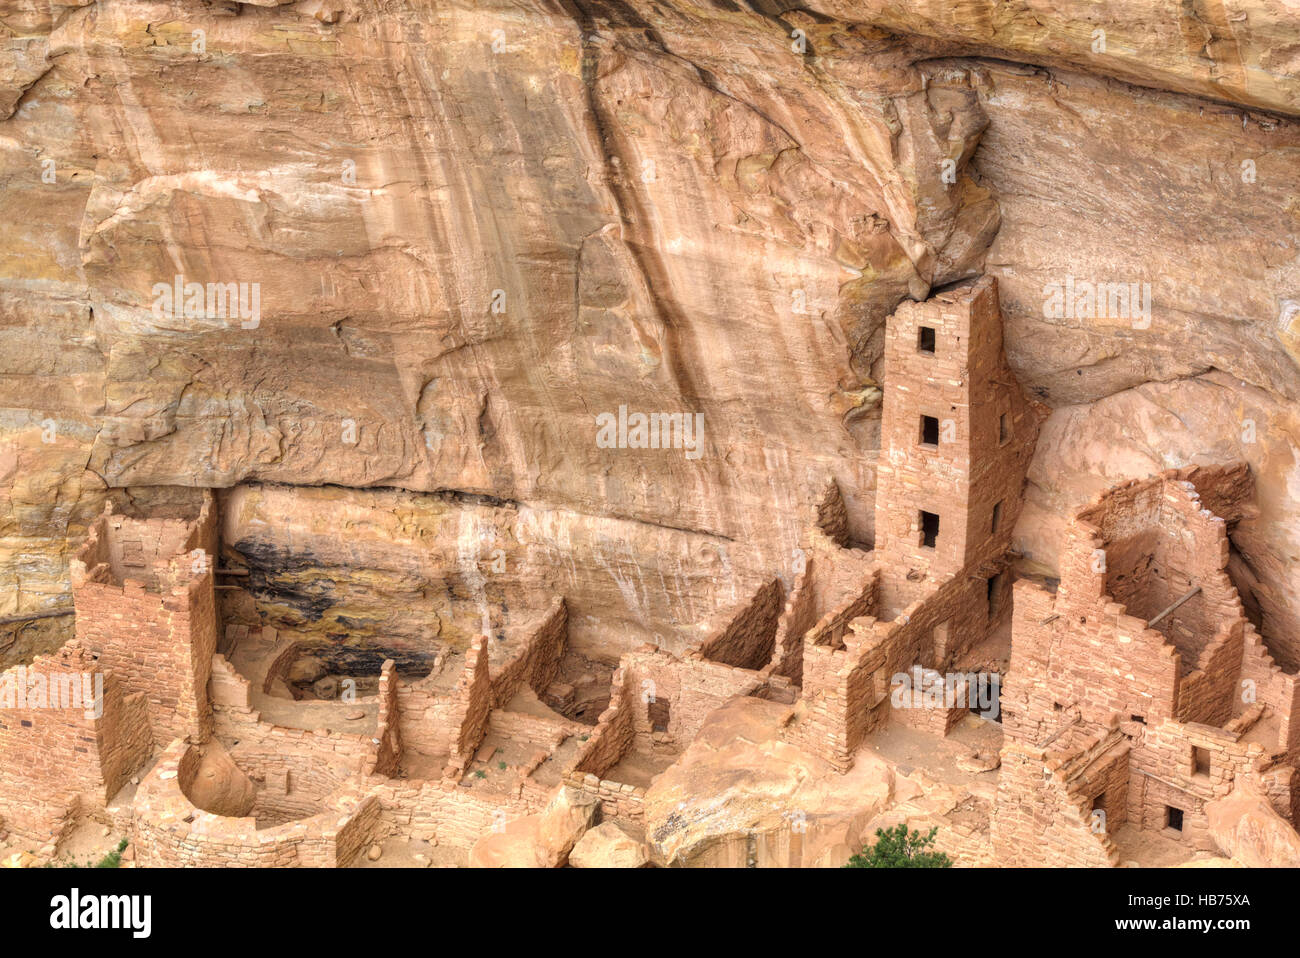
<point>169,829</point>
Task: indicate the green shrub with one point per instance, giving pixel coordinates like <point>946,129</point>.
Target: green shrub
<point>114,858</point>
<point>898,847</point>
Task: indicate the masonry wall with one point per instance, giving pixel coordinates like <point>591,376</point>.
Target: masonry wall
<point>538,662</point>
<point>846,690</point>
<point>155,627</point>
<point>54,760</point>
<point>169,831</point>
<point>295,770</point>
<point>1042,817</point>
<point>388,738</point>
<point>1096,661</point>
<point>986,435</point>
<point>1166,776</point>
<point>748,640</point>
<point>613,737</point>
<point>691,687</point>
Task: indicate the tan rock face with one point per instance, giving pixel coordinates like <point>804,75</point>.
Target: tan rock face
<point>739,796</point>
<point>543,840</point>
<point>1250,832</point>
<point>1244,51</point>
<point>463,232</point>
<point>610,845</point>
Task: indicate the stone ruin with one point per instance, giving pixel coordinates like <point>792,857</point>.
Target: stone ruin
<point>1138,692</point>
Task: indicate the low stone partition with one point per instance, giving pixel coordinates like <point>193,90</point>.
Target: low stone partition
<point>168,830</point>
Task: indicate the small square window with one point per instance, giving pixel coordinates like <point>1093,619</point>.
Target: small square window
<point>930,430</point>
<point>1004,428</point>
<point>929,529</point>
<point>997,517</point>
<point>1174,818</point>
<point>925,339</point>
<point>1140,719</point>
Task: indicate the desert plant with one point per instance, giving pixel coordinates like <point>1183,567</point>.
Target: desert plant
<point>900,847</point>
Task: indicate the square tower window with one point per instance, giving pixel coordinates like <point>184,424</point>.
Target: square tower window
<point>925,339</point>
<point>929,430</point>
<point>929,529</point>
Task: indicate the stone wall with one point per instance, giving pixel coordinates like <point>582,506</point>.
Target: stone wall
<point>846,689</point>
<point>968,463</point>
<point>169,831</point>
<point>388,737</point>
<point>538,662</point>
<point>1167,776</point>
<point>146,607</point>
<point>56,760</point>
<point>748,640</point>
<point>612,738</point>
<point>687,689</point>
<point>1043,813</point>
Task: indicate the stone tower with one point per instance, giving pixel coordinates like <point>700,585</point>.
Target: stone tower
<point>956,438</point>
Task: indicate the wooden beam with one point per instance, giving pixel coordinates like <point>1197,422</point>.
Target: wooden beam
<point>1195,589</point>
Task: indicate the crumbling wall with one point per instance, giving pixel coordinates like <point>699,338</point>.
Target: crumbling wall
<point>538,662</point>
<point>1041,818</point>
<point>472,705</point>
<point>1263,682</point>
<point>748,640</point>
<point>294,769</point>
<point>168,831</point>
<point>155,628</point>
<point>449,725</point>
<point>608,743</point>
<point>54,760</point>
<point>387,758</point>
<point>798,615</point>
<point>846,690</point>
<point>832,517</point>
<point>1098,660</point>
<point>691,687</point>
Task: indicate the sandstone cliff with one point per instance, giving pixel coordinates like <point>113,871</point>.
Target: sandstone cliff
<point>475,227</point>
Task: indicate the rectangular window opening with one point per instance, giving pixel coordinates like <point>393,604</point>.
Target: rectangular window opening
<point>930,430</point>
<point>925,339</point>
<point>929,529</point>
<point>1174,818</point>
<point>1200,761</point>
<point>997,517</point>
<point>1004,428</point>
<point>994,590</point>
